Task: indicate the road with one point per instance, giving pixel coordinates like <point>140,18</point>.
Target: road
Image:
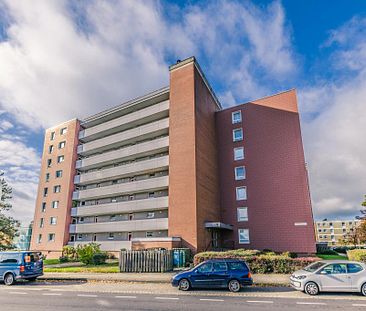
<point>57,296</point>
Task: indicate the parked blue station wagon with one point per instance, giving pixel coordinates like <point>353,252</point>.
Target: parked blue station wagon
<point>20,265</point>
<point>225,273</point>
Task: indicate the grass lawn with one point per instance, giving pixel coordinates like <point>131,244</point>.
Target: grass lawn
<point>105,268</point>
<point>51,262</point>
<point>332,257</point>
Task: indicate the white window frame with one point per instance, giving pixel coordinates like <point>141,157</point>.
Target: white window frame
<point>53,136</point>
<point>243,241</point>
<point>60,173</point>
<point>39,238</point>
<point>57,187</point>
<point>242,135</point>
<point>54,237</point>
<point>51,221</point>
<point>241,157</point>
<point>237,189</point>
<point>43,207</point>
<point>236,173</point>
<point>240,219</point>
<point>62,144</point>
<point>150,215</point>
<point>55,204</point>
<point>60,159</point>
<point>233,121</point>
<point>63,131</point>
<point>111,236</point>
<point>41,222</point>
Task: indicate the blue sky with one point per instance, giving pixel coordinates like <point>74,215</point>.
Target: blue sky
<point>64,59</point>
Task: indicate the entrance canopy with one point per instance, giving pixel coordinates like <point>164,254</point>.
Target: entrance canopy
<point>218,225</point>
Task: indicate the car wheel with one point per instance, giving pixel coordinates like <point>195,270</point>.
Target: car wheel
<point>363,289</point>
<point>311,288</point>
<point>184,285</point>
<point>234,286</point>
<point>9,279</point>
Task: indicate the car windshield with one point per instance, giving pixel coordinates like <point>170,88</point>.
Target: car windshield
<point>314,266</point>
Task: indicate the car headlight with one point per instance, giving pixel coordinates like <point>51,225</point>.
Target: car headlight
<point>301,277</point>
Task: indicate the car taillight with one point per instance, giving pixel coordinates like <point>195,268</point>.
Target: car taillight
<point>249,275</point>
<point>22,268</point>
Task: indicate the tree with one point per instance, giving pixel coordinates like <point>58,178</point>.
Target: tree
<point>363,211</point>
<point>8,225</point>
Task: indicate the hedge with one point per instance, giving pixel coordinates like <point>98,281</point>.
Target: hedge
<point>357,255</point>
<point>281,264</point>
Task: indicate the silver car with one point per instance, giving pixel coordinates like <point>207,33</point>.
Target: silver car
<point>331,276</point>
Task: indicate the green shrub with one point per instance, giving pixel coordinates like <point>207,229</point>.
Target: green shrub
<point>261,263</point>
<point>86,252</point>
<point>63,259</point>
<point>357,255</point>
<point>328,252</point>
<point>70,252</point>
<point>99,258</point>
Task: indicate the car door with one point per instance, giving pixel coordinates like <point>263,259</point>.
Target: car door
<point>357,275</point>
<point>200,276</point>
<point>334,277</point>
<point>219,275</point>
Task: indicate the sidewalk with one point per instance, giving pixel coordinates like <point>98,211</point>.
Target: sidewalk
<point>259,279</point>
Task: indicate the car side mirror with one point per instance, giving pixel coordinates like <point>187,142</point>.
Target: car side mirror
<point>323,272</point>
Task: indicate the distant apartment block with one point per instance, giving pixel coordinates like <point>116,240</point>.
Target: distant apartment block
<point>173,168</point>
<point>334,232</point>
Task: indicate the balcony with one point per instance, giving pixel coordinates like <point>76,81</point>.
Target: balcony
<point>128,153</point>
<point>106,246</point>
<point>150,204</point>
<point>130,136</point>
<point>137,118</point>
<point>121,226</point>
<point>146,185</point>
<point>146,166</point>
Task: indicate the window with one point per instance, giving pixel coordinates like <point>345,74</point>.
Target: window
<point>47,177</point>
<point>80,236</point>
<point>39,238</point>
<point>151,194</point>
<point>150,215</point>
<point>51,237</point>
<point>238,134</point>
<point>59,174</point>
<point>50,149</point>
<point>60,159</point>
<point>55,204</point>
<point>49,163</point>
<point>113,217</point>
<point>41,223</point>
<point>353,268</point>
<point>241,193</point>
<point>204,268</point>
<point>61,144</point>
<point>53,220</point>
<point>237,266</point>
<point>243,236</point>
<point>240,173</point>
<point>45,192</point>
<point>236,117</point>
<point>338,268</point>
<point>111,236</point>
<point>53,135</point>
<point>9,258</point>
<point>43,208</point>
<point>242,213</point>
<point>238,153</point>
<point>57,189</point>
<point>63,131</point>
<point>219,266</point>
<point>149,234</point>
<point>130,216</point>
<point>81,220</point>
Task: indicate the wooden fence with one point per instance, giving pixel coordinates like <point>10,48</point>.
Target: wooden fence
<point>146,261</point>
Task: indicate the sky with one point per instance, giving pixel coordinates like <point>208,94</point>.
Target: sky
<point>64,59</point>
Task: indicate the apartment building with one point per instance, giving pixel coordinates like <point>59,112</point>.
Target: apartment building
<point>334,232</point>
<point>173,168</point>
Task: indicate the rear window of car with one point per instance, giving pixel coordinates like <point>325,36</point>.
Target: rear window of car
<point>31,257</point>
<point>353,268</point>
<point>237,265</point>
<point>8,258</point>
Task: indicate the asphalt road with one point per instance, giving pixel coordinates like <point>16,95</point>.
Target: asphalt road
<point>99,296</point>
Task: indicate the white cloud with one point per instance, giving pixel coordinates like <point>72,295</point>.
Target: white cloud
<point>5,125</point>
<point>334,135</point>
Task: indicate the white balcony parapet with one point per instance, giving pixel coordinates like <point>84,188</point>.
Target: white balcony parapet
<point>124,122</point>
<point>121,226</point>
<point>142,149</point>
<point>123,138</point>
<point>150,204</point>
<point>123,170</point>
<point>106,246</point>
<point>145,185</point>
